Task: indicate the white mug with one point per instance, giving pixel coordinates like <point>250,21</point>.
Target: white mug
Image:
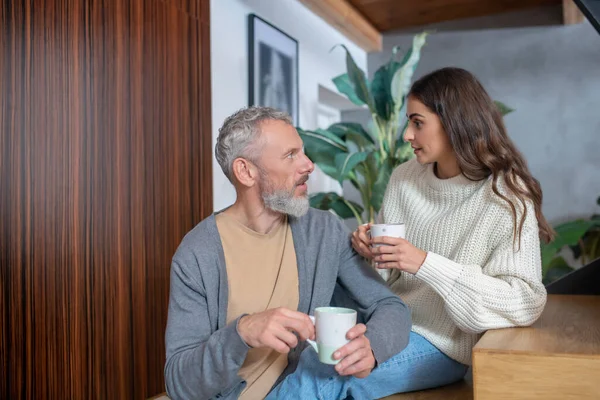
<point>391,230</point>
<point>331,325</point>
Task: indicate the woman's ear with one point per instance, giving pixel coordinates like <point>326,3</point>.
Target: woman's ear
<point>245,172</point>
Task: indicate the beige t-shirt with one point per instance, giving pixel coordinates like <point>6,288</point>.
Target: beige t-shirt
<point>262,273</point>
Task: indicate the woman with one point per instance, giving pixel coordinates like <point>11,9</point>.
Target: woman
<point>471,259</point>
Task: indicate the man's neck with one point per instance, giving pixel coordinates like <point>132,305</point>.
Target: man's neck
<point>255,216</point>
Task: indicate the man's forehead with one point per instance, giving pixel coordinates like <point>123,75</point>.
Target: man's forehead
<point>280,136</point>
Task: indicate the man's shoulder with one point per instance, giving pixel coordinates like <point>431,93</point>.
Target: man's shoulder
<point>320,218</point>
<point>201,242</point>
<point>319,228</point>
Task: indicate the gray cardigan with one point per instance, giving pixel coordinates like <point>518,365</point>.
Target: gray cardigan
<point>204,354</point>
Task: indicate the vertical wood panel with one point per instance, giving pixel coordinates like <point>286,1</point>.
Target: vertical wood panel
<point>105,163</point>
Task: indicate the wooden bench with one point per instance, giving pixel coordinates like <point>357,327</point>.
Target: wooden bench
<point>558,357</point>
<point>462,390</point>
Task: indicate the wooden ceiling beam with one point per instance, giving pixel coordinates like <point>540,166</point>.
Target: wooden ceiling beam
<point>388,15</point>
<point>571,13</point>
<point>346,19</point>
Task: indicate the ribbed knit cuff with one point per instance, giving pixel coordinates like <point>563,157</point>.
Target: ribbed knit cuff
<point>440,273</point>
<point>237,323</point>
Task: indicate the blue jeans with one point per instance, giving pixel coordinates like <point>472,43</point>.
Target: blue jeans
<point>420,366</point>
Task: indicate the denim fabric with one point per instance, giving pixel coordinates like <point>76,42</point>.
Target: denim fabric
<point>420,366</point>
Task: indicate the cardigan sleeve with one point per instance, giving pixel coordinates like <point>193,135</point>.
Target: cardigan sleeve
<point>200,363</point>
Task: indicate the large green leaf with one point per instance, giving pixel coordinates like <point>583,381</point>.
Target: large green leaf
<point>381,86</point>
<point>504,109</point>
<point>344,85</point>
<point>400,139</point>
<point>322,148</point>
<point>353,132</point>
<point>358,79</point>
<point>403,76</point>
<point>385,171</point>
<point>555,262</point>
<point>567,234</point>
<point>331,136</point>
<point>373,163</point>
<point>381,89</point>
<point>335,202</point>
<point>345,164</point>
<point>556,269</point>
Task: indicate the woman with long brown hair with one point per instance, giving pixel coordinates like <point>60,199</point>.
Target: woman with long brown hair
<point>471,257</point>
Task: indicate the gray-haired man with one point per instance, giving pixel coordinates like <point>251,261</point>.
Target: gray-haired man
<point>245,279</point>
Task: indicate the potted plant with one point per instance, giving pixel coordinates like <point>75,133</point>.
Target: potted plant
<point>348,152</point>
<point>581,237</point>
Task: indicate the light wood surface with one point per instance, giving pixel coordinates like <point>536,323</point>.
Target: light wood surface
<point>571,13</point>
<point>528,377</point>
<point>462,390</point>
<point>344,17</point>
<point>569,325</point>
<point>558,357</point>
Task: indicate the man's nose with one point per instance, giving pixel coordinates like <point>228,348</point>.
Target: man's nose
<point>309,165</point>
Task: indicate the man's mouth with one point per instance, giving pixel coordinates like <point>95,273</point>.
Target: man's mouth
<point>302,181</point>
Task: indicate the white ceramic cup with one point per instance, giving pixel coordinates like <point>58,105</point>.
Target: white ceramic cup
<point>331,325</point>
<point>391,230</point>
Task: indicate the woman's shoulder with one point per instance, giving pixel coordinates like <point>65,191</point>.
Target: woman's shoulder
<point>497,201</point>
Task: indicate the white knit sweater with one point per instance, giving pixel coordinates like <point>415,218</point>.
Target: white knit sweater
<point>474,277</point>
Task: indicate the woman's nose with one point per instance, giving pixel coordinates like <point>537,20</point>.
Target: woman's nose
<point>408,135</point>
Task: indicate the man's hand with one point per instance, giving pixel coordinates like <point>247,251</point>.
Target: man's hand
<point>357,357</point>
<point>274,329</point>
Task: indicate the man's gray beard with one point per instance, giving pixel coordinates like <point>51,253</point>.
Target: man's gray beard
<point>281,200</point>
<point>285,202</point>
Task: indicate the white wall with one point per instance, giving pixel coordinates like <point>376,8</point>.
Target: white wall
<point>229,65</point>
<point>551,76</point>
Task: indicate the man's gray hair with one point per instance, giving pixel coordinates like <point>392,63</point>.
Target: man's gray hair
<point>239,133</point>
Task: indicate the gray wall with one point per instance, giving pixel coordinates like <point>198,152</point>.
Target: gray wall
<point>550,74</point>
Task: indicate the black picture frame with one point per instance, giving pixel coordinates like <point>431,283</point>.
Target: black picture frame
<point>272,67</point>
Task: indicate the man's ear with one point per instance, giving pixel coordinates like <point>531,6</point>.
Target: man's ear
<point>245,172</point>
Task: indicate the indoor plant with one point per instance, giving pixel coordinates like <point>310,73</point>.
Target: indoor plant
<point>581,237</point>
<point>347,151</point>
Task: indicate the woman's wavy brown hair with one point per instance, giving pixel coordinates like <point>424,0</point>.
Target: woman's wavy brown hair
<point>477,133</point>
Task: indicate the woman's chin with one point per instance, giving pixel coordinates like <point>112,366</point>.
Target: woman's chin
<point>422,160</point>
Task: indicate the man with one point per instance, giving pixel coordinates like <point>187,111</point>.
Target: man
<point>244,280</point>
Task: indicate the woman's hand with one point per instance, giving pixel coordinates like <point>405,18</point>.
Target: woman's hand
<point>361,241</point>
<point>397,253</point>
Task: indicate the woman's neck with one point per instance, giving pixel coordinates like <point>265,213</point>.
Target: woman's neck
<point>447,168</point>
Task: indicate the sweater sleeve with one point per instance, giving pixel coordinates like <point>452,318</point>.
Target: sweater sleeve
<point>387,317</point>
<point>507,291</point>
<point>200,363</point>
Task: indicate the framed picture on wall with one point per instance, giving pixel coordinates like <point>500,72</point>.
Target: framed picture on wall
<point>273,67</point>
